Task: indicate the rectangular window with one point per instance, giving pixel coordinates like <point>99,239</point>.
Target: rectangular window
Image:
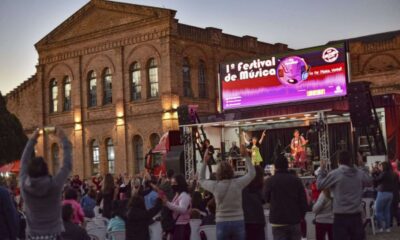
<point>96,160</point>
<point>136,87</point>
<point>67,97</point>
<point>92,93</point>
<point>107,89</point>
<point>202,85</point>
<point>54,101</point>
<point>153,76</point>
<point>111,159</point>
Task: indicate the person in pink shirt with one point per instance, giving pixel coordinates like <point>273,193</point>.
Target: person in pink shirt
<point>180,207</point>
<point>71,197</point>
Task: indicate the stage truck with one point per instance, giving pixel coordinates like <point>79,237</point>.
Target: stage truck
<point>167,154</point>
<point>303,100</point>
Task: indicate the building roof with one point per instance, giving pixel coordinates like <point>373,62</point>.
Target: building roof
<point>371,38</point>
<point>22,86</point>
<point>129,12</point>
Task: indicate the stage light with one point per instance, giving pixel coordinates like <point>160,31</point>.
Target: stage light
<point>307,115</point>
<point>259,120</point>
<point>281,118</point>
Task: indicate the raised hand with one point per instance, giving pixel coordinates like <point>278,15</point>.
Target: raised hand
<point>36,133</point>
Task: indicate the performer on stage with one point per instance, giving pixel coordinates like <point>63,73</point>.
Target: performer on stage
<point>208,151</point>
<point>297,146</point>
<point>254,148</point>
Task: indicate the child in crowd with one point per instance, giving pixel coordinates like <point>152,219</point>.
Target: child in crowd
<point>71,197</point>
<point>117,223</point>
<point>88,203</point>
<point>71,231</point>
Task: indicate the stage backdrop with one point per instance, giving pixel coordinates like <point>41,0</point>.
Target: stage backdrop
<point>337,133</point>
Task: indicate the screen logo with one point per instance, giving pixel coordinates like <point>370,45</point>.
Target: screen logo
<point>330,55</point>
<point>293,70</point>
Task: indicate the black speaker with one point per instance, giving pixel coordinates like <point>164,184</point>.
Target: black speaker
<point>183,115</point>
<point>360,105</point>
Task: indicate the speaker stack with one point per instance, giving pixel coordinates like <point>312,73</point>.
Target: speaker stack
<point>364,117</point>
<point>360,105</point>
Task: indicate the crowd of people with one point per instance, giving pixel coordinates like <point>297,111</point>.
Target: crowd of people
<point>61,207</point>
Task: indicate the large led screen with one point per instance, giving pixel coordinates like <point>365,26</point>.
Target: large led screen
<point>302,75</point>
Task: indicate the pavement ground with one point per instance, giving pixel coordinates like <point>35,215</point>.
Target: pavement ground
<point>393,235</point>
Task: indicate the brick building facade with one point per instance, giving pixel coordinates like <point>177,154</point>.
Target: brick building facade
<point>113,75</point>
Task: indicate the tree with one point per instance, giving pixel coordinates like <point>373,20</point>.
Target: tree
<point>12,137</point>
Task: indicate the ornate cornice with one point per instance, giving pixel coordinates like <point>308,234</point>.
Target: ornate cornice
<point>380,46</point>
<point>145,11</point>
<point>98,34</point>
<point>386,89</point>
<point>106,45</point>
<point>214,36</point>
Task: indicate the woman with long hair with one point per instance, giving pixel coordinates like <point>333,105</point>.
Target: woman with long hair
<point>180,207</point>
<point>227,192</point>
<point>385,182</point>
<point>108,195</point>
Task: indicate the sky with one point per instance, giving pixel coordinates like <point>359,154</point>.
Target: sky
<point>297,23</point>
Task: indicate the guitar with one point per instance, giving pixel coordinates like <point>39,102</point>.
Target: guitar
<point>301,146</point>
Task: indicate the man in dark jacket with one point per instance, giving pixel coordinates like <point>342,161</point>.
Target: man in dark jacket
<point>252,202</point>
<point>8,216</point>
<point>288,203</point>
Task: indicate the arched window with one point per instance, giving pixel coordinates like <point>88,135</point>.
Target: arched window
<point>67,93</point>
<point>138,153</point>
<point>154,139</point>
<point>202,80</point>
<point>110,156</point>
<point>187,85</point>
<point>95,156</point>
<point>55,159</point>
<point>107,86</point>
<point>92,89</point>
<point>136,84</point>
<point>153,78</point>
<point>53,96</point>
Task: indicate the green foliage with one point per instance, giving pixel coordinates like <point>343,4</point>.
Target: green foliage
<point>12,137</point>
